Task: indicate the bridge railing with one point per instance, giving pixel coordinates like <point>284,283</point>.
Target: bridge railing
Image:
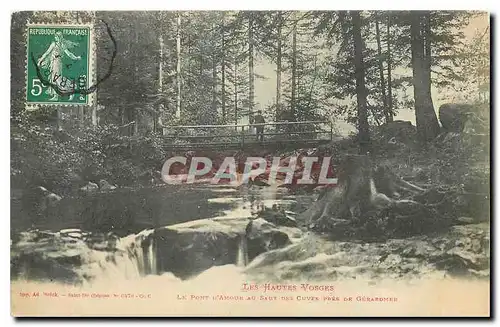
<point>241,134</point>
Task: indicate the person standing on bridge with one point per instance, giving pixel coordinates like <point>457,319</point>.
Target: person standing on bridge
<point>259,119</point>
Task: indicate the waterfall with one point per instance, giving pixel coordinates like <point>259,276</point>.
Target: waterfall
<point>141,250</point>
<point>135,257</point>
<point>242,254</point>
<point>151,258</point>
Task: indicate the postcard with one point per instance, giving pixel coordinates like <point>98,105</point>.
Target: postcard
<point>250,163</point>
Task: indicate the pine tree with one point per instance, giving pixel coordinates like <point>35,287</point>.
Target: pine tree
<point>363,127</point>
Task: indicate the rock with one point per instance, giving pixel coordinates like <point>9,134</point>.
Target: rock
<point>46,256</point>
<point>476,205</point>
<point>105,186</point>
<point>457,260</point>
<point>48,197</point>
<point>51,199</point>
<point>34,266</point>
<point>89,188</point>
<point>70,230</point>
<point>319,189</point>
<point>146,178</point>
<point>431,196</point>
<point>39,202</point>
<point>466,249</point>
<point>263,236</point>
<point>75,235</point>
<point>392,260</point>
<point>480,273</point>
<point>398,131</point>
<point>189,248</point>
<point>44,235</point>
<point>465,220</point>
<point>278,216</point>
<point>97,242</point>
<point>476,246</point>
<point>453,116</point>
<point>62,256</point>
<point>112,241</point>
<point>258,181</point>
<point>156,178</point>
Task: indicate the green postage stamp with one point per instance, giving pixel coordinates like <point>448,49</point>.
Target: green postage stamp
<point>59,64</point>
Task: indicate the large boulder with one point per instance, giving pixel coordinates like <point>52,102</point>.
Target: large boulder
<point>37,203</point>
<point>189,248</point>
<point>89,188</point>
<point>58,256</point>
<point>48,198</point>
<point>394,135</point>
<point>453,116</point>
<point>401,130</point>
<point>278,215</point>
<point>461,251</point>
<point>104,185</point>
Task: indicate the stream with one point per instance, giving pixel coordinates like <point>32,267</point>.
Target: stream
<point>222,233</point>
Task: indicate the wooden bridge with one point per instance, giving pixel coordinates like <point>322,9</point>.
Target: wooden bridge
<point>277,134</point>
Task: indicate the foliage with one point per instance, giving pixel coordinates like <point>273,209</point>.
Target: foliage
<point>446,38</point>
<point>59,149</point>
<point>63,160</point>
<point>472,60</point>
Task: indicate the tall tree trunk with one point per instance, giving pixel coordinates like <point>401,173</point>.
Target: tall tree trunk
<point>187,50</point>
<point>251,76</point>
<point>313,83</point>
<point>130,120</point>
<point>178,68</point>
<point>157,121</point>
<point>121,114</point>
<point>201,64</point>
<point>58,119</point>
<point>294,73</point>
<point>214,87</point>
<point>363,127</point>
<point>278,67</point>
<point>235,81</point>
<point>81,115</point>
<point>381,70</point>
<point>214,81</point>
<point>427,124</point>
<point>223,73</point>
<point>124,110</point>
<point>93,113</point>
<point>135,116</point>
<point>136,122</point>
<point>389,70</point>
<point>427,45</point>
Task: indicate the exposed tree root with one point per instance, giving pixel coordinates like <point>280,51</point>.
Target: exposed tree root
<point>368,201</point>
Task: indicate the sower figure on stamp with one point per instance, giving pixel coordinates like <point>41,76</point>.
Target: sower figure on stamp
<point>52,60</point>
<point>259,119</point>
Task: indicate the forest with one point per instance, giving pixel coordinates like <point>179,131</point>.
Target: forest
<point>173,68</point>
<point>411,197</point>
